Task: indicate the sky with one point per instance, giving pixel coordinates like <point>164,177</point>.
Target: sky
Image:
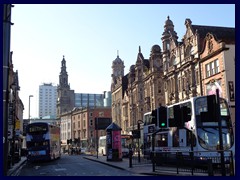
<point>90,37</point>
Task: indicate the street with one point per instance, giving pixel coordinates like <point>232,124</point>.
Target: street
<point>71,165</point>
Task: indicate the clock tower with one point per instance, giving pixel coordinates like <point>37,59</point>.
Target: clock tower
<point>65,100</point>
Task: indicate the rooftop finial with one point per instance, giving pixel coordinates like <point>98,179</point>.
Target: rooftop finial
<point>168,17</point>
<point>139,49</point>
<point>117,53</point>
<point>63,56</point>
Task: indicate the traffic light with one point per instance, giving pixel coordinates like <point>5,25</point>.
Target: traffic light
<point>181,115</point>
<point>212,106</point>
<point>177,116</point>
<point>162,117</point>
<point>211,114</point>
<point>154,116</point>
<point>186,114</point>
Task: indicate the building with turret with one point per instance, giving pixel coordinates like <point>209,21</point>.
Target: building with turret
<point>202,61</point>
<point>137,92</point>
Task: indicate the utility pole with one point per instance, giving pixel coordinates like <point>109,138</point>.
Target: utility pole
<point>219,119</point>
<point>29,107</point>
<point>6,54</point>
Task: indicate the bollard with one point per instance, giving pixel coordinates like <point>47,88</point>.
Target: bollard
<point>231,164</point>
<point>210,167</point>
<point>130,157</point>
<point>153,157</point>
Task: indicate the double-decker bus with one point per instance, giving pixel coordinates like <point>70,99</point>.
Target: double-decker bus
<point>43,141</point>
<point>200,134</point>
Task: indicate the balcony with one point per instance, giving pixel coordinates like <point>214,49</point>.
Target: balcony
<point>187,59</point>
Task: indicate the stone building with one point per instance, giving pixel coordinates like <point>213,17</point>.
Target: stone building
<point>139,91</point>
<point>66,99</point>
<point>203,61</point>
<point>204,57</point>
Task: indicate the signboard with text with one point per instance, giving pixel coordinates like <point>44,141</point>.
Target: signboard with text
<point>102,123</point>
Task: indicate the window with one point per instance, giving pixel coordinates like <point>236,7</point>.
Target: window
<point>101,114</point>
<point>168,45</point>
<point>84,123</point>
<point>179,84</point>
<point>172,61</point>
<point>212,68</point>
<point>196,77</point>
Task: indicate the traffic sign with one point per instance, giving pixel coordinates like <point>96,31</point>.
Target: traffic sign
<point>10,131</point>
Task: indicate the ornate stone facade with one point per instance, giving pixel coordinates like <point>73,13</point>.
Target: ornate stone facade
<point>180,71</point>
<point>139,91</point>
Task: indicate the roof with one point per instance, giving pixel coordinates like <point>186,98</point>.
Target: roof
<point>225,34</point>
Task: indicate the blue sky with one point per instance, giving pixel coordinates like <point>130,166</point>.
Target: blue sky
<point>89,37</point>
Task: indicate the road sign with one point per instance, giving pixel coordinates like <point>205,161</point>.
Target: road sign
<point>151,129</point>
<point>136,134</point>
<point>10,130</point>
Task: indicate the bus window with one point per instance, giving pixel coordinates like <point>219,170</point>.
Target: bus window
<point>161,140</point>
<point>175,137</point>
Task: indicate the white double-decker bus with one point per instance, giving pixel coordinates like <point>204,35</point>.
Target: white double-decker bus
<point>200,134</point>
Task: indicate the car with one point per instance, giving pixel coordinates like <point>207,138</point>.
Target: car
<point>83,149</point>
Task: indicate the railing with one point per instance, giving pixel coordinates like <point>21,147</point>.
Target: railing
<point>135,160</point>
<point>176,161</point>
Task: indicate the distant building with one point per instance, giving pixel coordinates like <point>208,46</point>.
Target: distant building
<point>77,112</point>
<point>65,96</point>
<point>86,100</point>
<point>47,100</point>
<point>80,124</point>
<point>107,99</point>
<point>67,99</point>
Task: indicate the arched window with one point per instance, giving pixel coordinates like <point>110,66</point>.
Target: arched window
<point>172,61</point>
<point>189,50</point>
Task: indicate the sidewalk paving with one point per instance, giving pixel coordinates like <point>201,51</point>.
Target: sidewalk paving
<point>143,169</point>
<point>139,169</point>
<point>13,171</point>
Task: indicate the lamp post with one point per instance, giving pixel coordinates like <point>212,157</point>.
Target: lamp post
<point>29,107</point>
<point>13,99</point>
<point>138,122</point>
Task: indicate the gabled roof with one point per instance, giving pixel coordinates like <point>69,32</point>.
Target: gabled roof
<point>225,34</point>
<point>146,63</point>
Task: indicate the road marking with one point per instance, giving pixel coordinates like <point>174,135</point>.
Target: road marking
<point>61,169</point>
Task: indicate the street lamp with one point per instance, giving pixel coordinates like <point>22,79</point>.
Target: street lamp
<point>29,107</point>
<point>13,99</point>
<point>138,122</point>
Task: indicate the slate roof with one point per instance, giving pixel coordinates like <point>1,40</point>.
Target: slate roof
<point>225,34</point>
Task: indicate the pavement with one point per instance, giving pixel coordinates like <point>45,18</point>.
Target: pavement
<point>138,169</point>
<point>14,170</point>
